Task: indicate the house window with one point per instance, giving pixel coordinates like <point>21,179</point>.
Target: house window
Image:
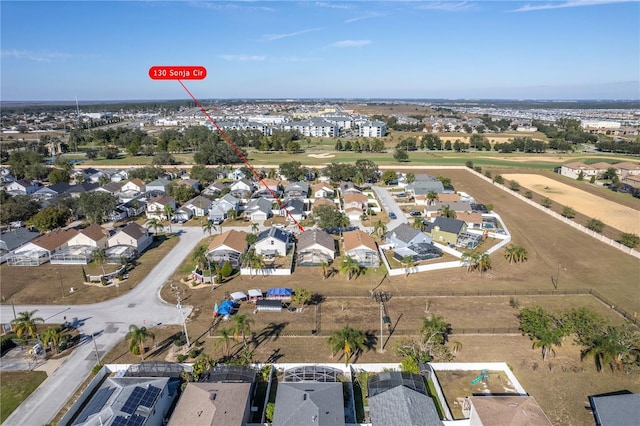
<point>272,242</point>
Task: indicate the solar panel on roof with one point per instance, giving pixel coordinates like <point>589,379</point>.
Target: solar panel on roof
<point>150,395</point>
<point>95,404</point>
<point>132,403</point>
<point>133,420</point>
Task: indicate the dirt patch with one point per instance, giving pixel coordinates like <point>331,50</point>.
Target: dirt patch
<point>616,215</point>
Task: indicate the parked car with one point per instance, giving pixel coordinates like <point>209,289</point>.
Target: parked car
<point>392,215</point>
<point>415,213</point>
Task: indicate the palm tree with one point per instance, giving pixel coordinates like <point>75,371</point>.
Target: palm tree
<point>26,323</point>
<point>155,224</point>
<point>418,223</point>
<point>611,346</point>
<point>242,327</point>
<point>254,228</point>
<point>446,211</point>
<point>379,228</point>
<point>168,212</point>
<point>199,256</point>
<point>411,178</point>
<point>232,214</point>
<point>547,341</point>
<point>457,346</point>
<point>409,264</point>
<point>52,337</point>
<point>350,267</point>
<point>226,335</point>
<point>324,265</point>
<point>209,227</point>
<point>472,259</point>
<point>432,196</point>
<point>435,329</point>
<point>100,256</point>
<point>349,340</point>
<point>515,254</point>
<point>484,263</point>
<point>137,336</point>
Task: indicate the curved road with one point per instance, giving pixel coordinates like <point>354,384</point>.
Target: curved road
<point>109,322</point>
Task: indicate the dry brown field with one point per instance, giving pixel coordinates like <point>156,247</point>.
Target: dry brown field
<point>621,217</point>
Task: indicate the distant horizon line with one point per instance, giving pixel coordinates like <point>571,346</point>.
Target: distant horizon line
<point>290,99</point>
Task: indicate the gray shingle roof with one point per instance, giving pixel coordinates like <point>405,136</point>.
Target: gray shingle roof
<point>446,224</point>
<point>309,403</point>
<point>616,409</point>
<point>404,232</point>
<point>313,236</point>
<point>401,406</point>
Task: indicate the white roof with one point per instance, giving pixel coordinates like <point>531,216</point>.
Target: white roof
<point>238,295</point>
<point>255,293</point>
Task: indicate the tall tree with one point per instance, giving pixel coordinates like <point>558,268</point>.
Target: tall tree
<point>96,205</point>
<point>242,327</point>
<point>350,341</point>
<point>350,267</point>
<point>155,224</point>
<point>26,323</point>
<point>137,337</point>
<point>543,328</point>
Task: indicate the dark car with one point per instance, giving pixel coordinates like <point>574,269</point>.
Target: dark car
<point>392,215</point>
<point>415,213</point>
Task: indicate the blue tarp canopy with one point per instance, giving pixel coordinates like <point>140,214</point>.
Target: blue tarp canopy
<point>225,308</point>
<point>279,292</point>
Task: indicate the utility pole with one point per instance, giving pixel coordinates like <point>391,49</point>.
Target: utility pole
<point>184,322</point>
<point>95,346</point>
<point>61,286</point>
<point>382,297</point>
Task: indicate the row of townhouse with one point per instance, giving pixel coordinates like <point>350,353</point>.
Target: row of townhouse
<point>624,169</point>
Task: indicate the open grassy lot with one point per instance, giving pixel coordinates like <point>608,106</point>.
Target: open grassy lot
<point>15,387</point>
<point>51,284</point>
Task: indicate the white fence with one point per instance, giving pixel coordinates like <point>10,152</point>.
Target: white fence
<point>569,222</point>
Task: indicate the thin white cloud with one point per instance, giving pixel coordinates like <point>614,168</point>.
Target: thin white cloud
<point>447,6</point>
<point>567,4</point>
<point>34,56</point>
<point>334,5</point>
<point>272,37</point>
<point>360,18</point>
<point>299,59</point>
<point>350,43</point>
<point>242,58</point>
<point>231,7</point>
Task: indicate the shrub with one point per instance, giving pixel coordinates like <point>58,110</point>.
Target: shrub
<point>469,164</point>
<point>595,225</point>
<point>499,179</point>
<point>487,174</point>
<point>194,353</point>
<point>271,408</point>
<point>528,195</point>
<point>96,368</point>
<point>6,343</point>
<point>514,303</point>
<point>568,212</point>
<point>226,270</point>
<point>181,358</point>
<point>478,169</point>
<point>629,240</point>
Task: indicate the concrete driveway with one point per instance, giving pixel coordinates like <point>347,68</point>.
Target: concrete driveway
<point>389,205</point>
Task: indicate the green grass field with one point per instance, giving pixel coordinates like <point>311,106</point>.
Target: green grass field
<point>15,387</point>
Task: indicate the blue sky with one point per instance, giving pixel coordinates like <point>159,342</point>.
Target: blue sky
<point>537,49</point>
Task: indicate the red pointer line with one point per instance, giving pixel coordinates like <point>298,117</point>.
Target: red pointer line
<point>242,157</point>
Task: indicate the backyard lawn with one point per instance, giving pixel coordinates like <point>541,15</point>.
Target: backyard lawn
<point>15,387</point>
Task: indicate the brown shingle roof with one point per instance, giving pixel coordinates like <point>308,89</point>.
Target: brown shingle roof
<point>95,232</point>
<point>509,410</point>
<point>134,230</point>
<point>357,238</point>
<point>448,197</point>
<point>323,202</point>
<point>55,239</point>
<point>138,182</point>
<point>236,240</point>
<point>162,200</point>
<point>469,217</point>
<point>355,198</point>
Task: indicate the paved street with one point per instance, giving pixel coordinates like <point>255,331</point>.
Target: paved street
<point>109,322</point>
<point>389,205</point>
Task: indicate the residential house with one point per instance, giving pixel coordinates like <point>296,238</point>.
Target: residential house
<point>113,188</point>
<point>323,190</point>
<point>293,210</point>
<point>617,408</point>
<point>41,249</point>
<point>448,197</point>
<point>445,230</point>
<point>627,169</point>
<point>272,242</point>
<point>400,398</point>
<point>80,188</point>
<point>190,183</point>
<point>258,209</point>
<point>404,235</point>
<point>15,238</point>
<point>214,189</point>
<point>182,215</point>
<point>132,235</point>
<point>158,186</point>
<point>93,236</point>
<point>309,403</point>
<point>134,186</point>
<point>220,208</point>
<point>228,247</point>
<point>423,185</point>
<point>323,202</point>
<point>574,169</point>
<point>296,190</point>
<point>129,401</point>
<point>510,410</point>
<point>156,206</point>
<point>473,220</point>
<point>199,206</point>
<point>5,175</point>
<point>212,404</point>
<point>51,192</point>
<point>242,188</point>
<point>434,209</point>
<point>22,187</point>
<point>236,174</point>
<point>355,203</point>
<point>360,246</point>
<point>119,175</point>
<point>90,175</point>
<point>314,247</point>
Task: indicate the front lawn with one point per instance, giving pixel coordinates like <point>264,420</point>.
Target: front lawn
<point>15,387</point>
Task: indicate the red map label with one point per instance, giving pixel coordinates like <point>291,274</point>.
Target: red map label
<point>177,73</point>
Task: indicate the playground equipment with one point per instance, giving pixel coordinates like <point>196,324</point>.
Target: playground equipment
<point>483,377</point>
